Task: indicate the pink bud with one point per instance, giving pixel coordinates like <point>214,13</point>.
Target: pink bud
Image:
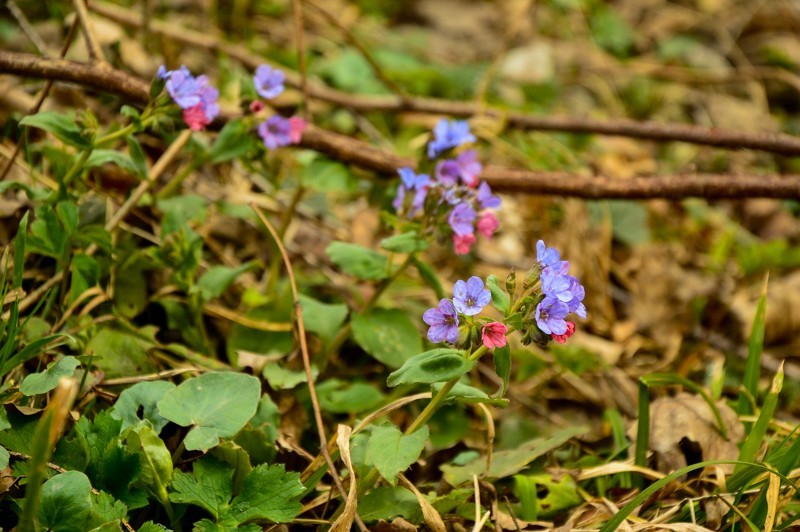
<point>256,106</point>
<point>562,338</point>
<point>296,127</point>
<point>463,243</point>
<point>494,334</point>
<point>195,117</point>
<point>488,224</point>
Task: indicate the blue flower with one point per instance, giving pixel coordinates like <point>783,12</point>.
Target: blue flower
<point>443,322</point>
<point>556,284</point>
<point>183,88</point>
<point>578,293</point>
<point>550,314</point>
<point>411,181</point>
<point>461,219</point>
<point>546,256</point>
<point>268,81</point>
<point>448,172</point>
<point>163,74</point>
<point>449,134</point>
<point>470,297</point>
<point>485,198</point>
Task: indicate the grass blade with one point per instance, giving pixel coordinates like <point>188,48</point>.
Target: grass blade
<point>752,368</point>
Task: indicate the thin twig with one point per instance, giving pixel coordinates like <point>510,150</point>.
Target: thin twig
<point>769,142</point>
<point>301,333</point>
<point>89,36</point>
<point>26,27</point>
<point>40,99</point>
<point>299,28</point>
<point>353,151</point>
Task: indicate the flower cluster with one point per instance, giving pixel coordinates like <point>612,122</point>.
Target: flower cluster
<point>469,299</point>
<point>455,196</point>
<point>563,295</point>
<point>194,95</point>
<point>276,131</point>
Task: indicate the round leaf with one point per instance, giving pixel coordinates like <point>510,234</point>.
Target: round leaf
<point>358,261</point>
<point>144,396</point>
<point>217,404</point>
<point>47,380</point>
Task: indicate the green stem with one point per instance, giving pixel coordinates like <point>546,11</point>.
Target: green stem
<point>76,167</point>
<point>176,182</point>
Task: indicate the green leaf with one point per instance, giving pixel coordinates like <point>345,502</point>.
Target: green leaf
<point>611,31</point>
<point>106,510</point>
<point>388,335</point>
<point>469,394</point>
<point>85,274</point>
<point>234,140</point>
<point>754,349</point>
<point>217,279</point>
<point>62,126</point>
<point>323,319</point>
<point>180,210</point>
<point>47,380</point>
<point>142,397</point>
<point>436,365</point>
<point>155,460</point>
<point>405,243</point>
<point>137,157</point>
<point>66,502</point>
<point>386,502</point>
<point>19,251</point>
<point>499,296</point>
<point>280,378</point>
<point>152,527</point>
<point>4,457</point>
<point>211,487</point>
<point>542,495</point>
<point>269,493</point>
<point>101,157</point>
<point>502,366</point>
<point>358,261</point>
<point>392,452</point>
<point>341,397</point>
<point>120,354</point>
<point>325,175</point>
<point>218,405</point>
<point>509,462</point>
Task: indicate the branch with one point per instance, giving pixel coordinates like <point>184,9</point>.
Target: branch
<point>770,142</point>
<point>386,163</point>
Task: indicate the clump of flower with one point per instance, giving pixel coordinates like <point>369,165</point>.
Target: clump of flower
<point>275,131</point>
<point>195,95</point>
<point>549,296</point>
<point>455,201</point>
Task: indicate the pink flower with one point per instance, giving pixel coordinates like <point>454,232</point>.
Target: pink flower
<point>256,106</point>
<point>195,117</point>
<point>296,127</point>
<point>463,243</point>
<point>562,338</point>
<point>494,335</point>
<point>488,224</point>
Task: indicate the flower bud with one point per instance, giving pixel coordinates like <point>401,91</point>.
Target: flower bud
<point>511,283</point>
<point>531,277</point>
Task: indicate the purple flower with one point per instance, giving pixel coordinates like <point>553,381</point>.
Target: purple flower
<point>550,314</point>
<point>208,97</point>
<point>448,172</point>
<point>275,131</point>
<point>578,293</point>
<point>470,297</point>
<point>163,74</point>
<point>556,284</point>
<point>411,181</point>
<point>183,88</point>
<point>546,256</point>
<point>443,321</point>
<point>461,219</point>
<point>449,134</point>
<point>469,168</point>
<point>268,81</point>
<point>485,198</point>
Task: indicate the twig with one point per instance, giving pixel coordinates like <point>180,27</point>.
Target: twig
<point>92,45</point>
<point>301,333</point>
<point>353,151</point>
<point>299,28</point>
<point>26,27</point>
<point>769,142</point>
<point>40,99</point>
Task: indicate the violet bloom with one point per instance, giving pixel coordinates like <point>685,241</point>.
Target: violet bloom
<point>268,81</point>
<point>485,198</point>
<point>550,314</point>
<point>469,169</point>
<point>208,97</point>
<point>578,293</point>
<point>557,284</point>
<point>448,172</point>
<point>163,74</point>
<point>470,297</point>
<point>449,134</point>
<point>183,88</point>
<point>443,322</point>
<point>461,219</point>
<point>546,256</point>
<point>275,132</point>
<point>419,183</point>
